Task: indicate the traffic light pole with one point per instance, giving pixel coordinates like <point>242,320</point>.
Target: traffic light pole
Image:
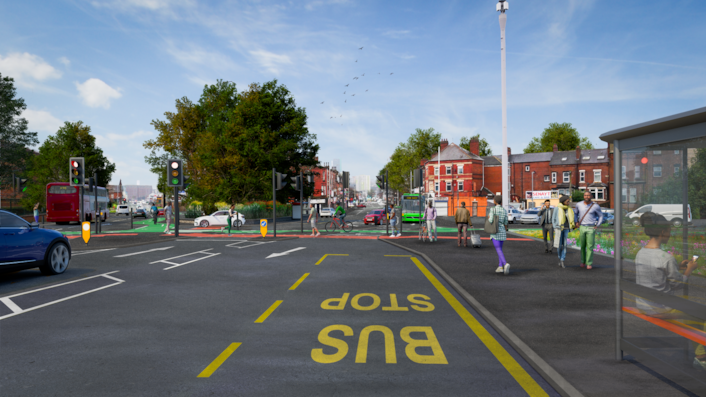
<point>95,198</point>
<point>176,211</point>
<point>274,202</point>
<point>301,201</point>
<point>387,201</point>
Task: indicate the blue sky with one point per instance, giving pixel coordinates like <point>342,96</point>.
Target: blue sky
<point>118,64</point>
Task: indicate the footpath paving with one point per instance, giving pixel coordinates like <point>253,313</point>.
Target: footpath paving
<point>566,316</point>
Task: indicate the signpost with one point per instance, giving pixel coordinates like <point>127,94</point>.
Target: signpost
<point>263,227</point>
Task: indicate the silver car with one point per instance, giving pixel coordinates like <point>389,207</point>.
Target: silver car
<point>530,216</point>
<point>513,215</point>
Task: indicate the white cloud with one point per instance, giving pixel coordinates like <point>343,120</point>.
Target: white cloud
<point>313,4</point>
<point>65,61</point>
<point>95,93</point>
<point>271,61</point>
<point>41,120</point>
<point>152,5</point>
<point>25,67</point>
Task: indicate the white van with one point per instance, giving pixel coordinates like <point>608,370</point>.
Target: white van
<point>123,209</point>
<point>671,212</point>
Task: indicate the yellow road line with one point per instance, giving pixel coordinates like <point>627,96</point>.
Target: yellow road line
<point>268,312</point>
<point>324,257</point>
<point>401,256</point>
<point>507,361</point>
<point>219,360</point>
<point>293,287</point>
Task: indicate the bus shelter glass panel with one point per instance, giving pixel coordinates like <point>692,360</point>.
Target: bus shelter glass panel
<point>663,246</point>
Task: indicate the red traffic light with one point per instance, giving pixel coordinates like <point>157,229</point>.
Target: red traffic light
<point>74,163</point>
<point>644,160</point>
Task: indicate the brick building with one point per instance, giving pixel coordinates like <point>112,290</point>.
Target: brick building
<point>457,172</point>
<point>327,183</point>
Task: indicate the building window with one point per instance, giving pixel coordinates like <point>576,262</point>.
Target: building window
<point>633,195</point>
<point>656,152</point>
<point>527,168</point>
<point>460,186</point>
<point>546,178</point>
<point>676,152</point>
<point>460,169</point>
<point>553,177</point>
<point>596,175</point>
<point>624,172</point>
<point>436,186</point>
<point>436,172</point>
<point>448,186</point>
<point>508,170</point>
<point>637,172</point>
<point>677,167</point>
<point>657,170</point>
<point>448,170</point>
<point>598,194</point>
<point>582,176</point>
<point>567,177</point>
<point>624,196</point>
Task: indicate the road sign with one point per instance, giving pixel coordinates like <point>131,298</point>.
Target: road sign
<point>86,231</point>
<point>263,227</point>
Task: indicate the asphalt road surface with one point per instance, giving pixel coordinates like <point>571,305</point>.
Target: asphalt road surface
<point>197,317</point>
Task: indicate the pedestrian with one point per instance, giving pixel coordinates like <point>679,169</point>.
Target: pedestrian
<point>393,221</point>
<point>563,222</point>
<point>430,215</point>
<point>463,218</point>
<point>231,216</point>
<point>313,218</point>
<point>588,217</point>
<point>545,222</point>
<point>499,214</point>
<point>168,215</point>
<point>155,212</point>
<point>36,213</point>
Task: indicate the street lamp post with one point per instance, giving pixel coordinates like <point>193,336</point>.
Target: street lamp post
<point>502,6</point>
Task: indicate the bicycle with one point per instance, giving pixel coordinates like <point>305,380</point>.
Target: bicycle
<point>423,233</point>
<point>333,225</point>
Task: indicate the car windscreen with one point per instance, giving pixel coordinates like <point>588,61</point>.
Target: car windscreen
<point>411,205</point>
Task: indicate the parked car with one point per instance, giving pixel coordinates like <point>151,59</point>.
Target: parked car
<point>326,211</point>
<point>140,212</point>
<point>513,215</point>
<point>25,246</point>
<point>362,205</point>
<point>160,212</point>
<point>218,218</point>
<point>376,217</point>
<point>672,212</point>
<point>123,209</point>
<point>530,216</point>
<point>608,218</point>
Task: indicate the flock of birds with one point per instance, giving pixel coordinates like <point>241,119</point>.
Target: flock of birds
<point>352,95</point>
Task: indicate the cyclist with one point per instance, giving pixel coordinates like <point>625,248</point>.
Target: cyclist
<point>342,217</point>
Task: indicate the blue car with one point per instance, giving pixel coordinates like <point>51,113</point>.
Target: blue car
<point>608,218</point>
<point>25,246</point>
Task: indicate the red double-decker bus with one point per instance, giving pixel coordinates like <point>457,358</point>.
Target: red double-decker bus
<point>63,203</point>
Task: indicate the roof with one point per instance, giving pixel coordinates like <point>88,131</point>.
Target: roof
<point>684,119</point>
<point>531,157</point>
<point>455,152</point>
<point>491,160</point>
<point>588,156</point>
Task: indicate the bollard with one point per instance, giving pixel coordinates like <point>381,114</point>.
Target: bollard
<point>131,227</point>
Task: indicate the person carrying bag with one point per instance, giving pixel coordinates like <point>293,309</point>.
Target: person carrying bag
<point>563,222</point>
<point>496,225</point>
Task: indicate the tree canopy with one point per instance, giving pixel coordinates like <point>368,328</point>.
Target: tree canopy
<point>15,140</point>
<point>52,163</point>
<point>231,141</point>
<point>564,135</point>
<point>406,157</point>
<point>483,147</point>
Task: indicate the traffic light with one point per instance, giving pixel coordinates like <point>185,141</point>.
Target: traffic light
<point>77,171</point>
<point>91,183</point>
<point>175,173</point>
<point>20,184</point>
<point>186,182</point>
<point>280,181</point>
<point>381,181</point>
<point>418,178</point>
<point>310,178</point>
<point>346,176</point>
<point>297,182</point>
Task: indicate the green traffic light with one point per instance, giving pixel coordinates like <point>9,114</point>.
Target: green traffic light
<point>175,181</point>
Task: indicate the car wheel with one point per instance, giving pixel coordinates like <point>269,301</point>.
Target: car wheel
<point>237,223</point>
<point>204,223</point>
<point>57,260</point>
<point>677,222</point>
<point>636,222</point>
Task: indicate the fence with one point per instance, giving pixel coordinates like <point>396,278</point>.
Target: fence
<point>13,205</point>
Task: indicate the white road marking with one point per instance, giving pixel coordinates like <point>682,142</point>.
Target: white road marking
<point>254,243</point>
<point>142,252</point>
<point>203,252</point>
<point>285,252</point>
<point>90,251</point>
<point>17,310</point>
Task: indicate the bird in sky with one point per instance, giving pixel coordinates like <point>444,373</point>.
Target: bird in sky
<point>344,92</point>
<point>331,117</point>
<point>353,95</point>
<point>347,84</point>
<point>360,48</point>
<point>356,60</point>
<point>341,115</point>
<point>322,103</point>
<point>366,90</point>
<point>392,73</point>
<point>345,100</point>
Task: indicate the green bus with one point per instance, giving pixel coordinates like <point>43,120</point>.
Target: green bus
<point>411,207</point>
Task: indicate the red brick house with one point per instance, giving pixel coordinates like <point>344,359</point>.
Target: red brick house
<point>460,171</point>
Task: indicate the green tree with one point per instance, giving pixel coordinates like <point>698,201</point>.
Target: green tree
<point>52,163</point>
<point>483,147</point>
<point>231,141</point>
<point>15,140</point>
<point>564,135</point>
<point>422,144</point>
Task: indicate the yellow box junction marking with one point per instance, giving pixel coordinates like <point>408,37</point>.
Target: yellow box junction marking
<point>324,257</point>
<point>521,376</point>
<point>219,360</point>
<point>293,287</point>
<point>267,312</point>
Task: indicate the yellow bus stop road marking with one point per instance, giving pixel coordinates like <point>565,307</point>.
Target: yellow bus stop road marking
<point>267,312</point>
<point>219,360</point>
<point>324,257</point>
<point>510,364</point>
<point>293,287</point>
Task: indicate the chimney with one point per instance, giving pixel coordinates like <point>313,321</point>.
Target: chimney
<point>578,153</point>
<point>423,161</point>
<point>556,148</point>
<point>474,146</point>
<point>509,152</point>
<point>444,143</point>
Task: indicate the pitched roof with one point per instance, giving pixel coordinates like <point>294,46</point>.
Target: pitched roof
<point>588,156</point>
<point>492,160</point>
<point>531,157</point>
<point>455,152</point>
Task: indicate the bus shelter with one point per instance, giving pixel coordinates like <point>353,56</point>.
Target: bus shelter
<point>660,245</point>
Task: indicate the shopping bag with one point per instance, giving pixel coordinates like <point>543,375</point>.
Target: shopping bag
<point>557,238</point>
<point>491,227</point>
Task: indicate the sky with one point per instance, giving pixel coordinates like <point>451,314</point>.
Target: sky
<point>117,65</point>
